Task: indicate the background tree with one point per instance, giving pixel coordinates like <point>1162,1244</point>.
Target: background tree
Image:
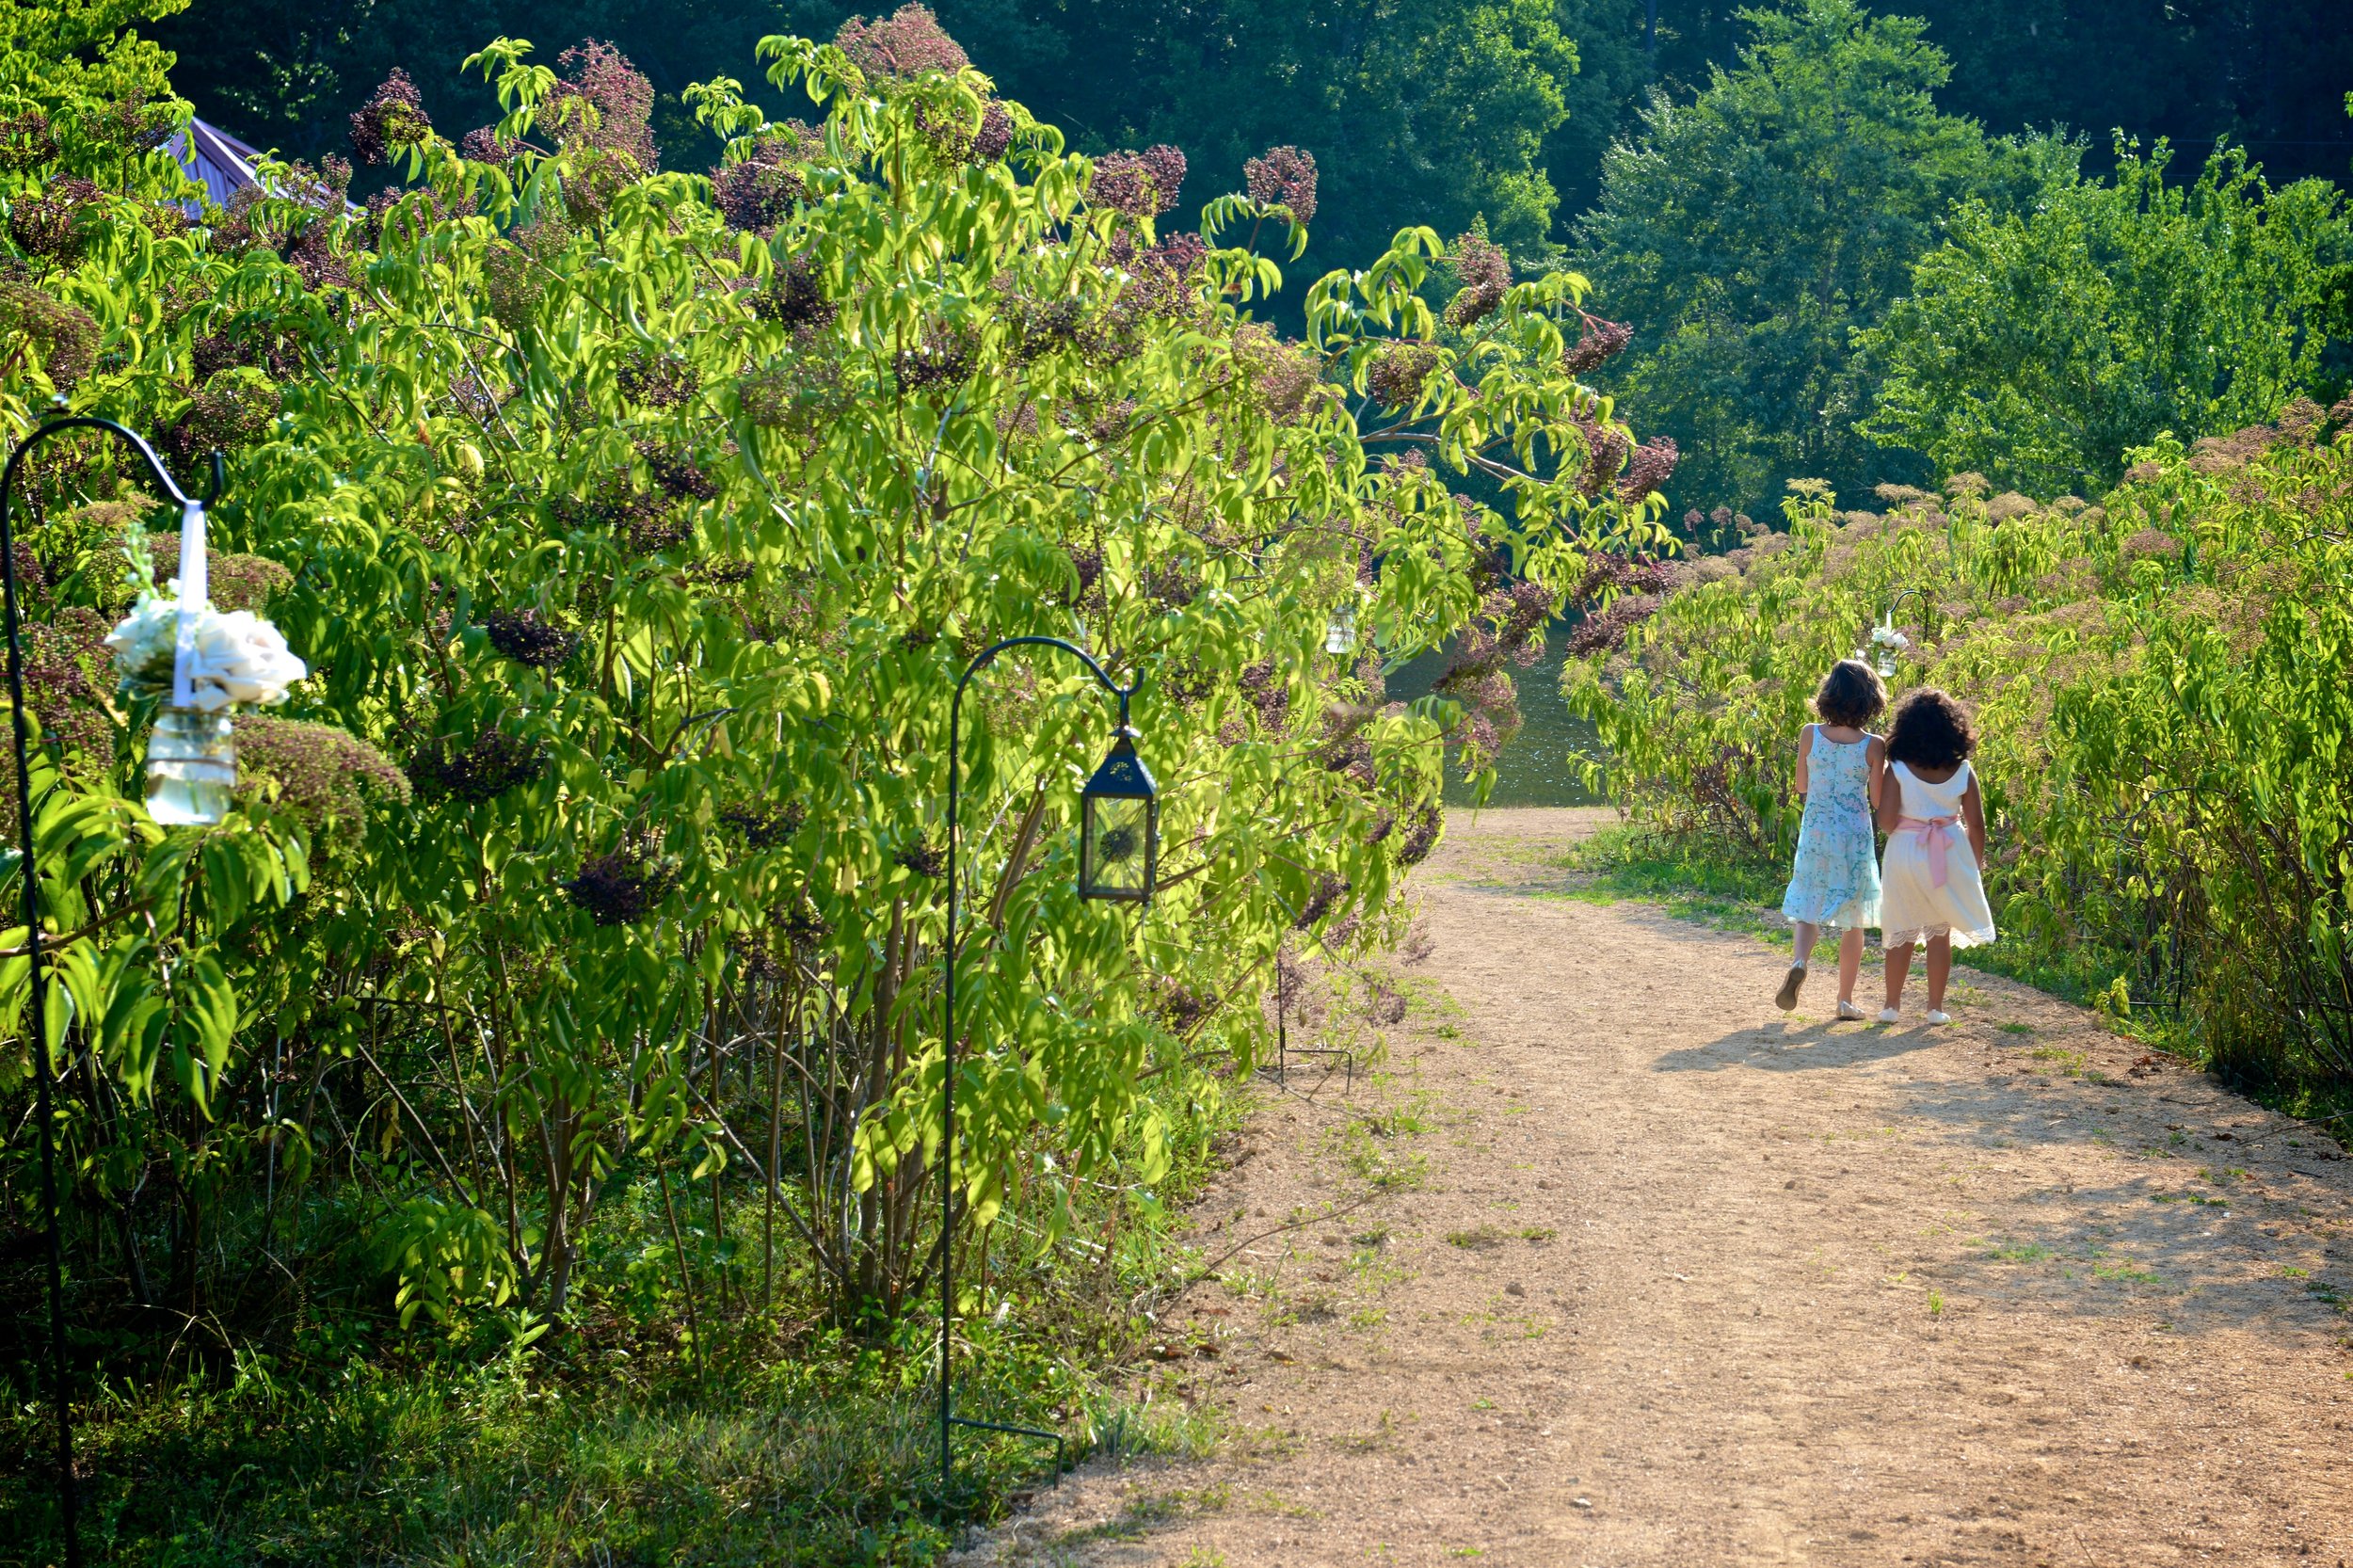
<point>1446,100</point>
<point>2265,77</point>
<point>1751,232</point>
<point>2039,347</point>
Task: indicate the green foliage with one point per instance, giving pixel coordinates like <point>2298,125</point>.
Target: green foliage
<point>1433,111</point>
<point>1749,234</point>
<point>79,54</point>
<point>2039,347</point>
<point>647,522</point>
<point>2160,685</point>
<point>823,1456</point>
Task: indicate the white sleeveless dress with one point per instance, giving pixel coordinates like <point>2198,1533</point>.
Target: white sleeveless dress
<point>1928,882</point>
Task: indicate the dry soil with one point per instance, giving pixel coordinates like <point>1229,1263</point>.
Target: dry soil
<point>1643,1271</point>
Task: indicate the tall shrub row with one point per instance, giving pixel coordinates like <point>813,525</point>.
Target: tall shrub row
<point>636,525</point>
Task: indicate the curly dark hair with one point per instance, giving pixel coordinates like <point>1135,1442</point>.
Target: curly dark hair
<point>1931,730</point>
<point>1851,693</point>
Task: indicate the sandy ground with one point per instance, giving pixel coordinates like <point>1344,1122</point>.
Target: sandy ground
<point>1661,1275</point>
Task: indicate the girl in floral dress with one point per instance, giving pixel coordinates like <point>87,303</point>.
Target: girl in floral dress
<point>1836,881</point>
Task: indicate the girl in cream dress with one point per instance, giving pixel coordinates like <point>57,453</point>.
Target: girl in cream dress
<point>1931,884</point>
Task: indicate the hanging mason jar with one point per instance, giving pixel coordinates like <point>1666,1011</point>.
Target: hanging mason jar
<point>191,768</point>
<point>1340,632</point>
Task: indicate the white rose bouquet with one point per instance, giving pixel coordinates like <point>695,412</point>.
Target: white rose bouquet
<point>233,658</point>
<point>1887,637</point>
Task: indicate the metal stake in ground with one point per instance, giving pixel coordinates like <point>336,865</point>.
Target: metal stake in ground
<point>29,870</point>
<point>1119,856</point>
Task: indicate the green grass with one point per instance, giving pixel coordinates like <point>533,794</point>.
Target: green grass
<point>1691,881</point>
<point>827,1458</point>
<point>785,1443</point>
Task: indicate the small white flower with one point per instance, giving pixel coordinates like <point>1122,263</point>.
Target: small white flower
<point>142,642</point>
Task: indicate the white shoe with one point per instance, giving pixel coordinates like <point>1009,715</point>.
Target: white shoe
<point>1889,1016</point>
<point>1938,1015</point>
<point>1850,1014</point>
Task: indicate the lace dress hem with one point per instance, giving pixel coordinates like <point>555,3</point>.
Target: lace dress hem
<point>1963,937</point>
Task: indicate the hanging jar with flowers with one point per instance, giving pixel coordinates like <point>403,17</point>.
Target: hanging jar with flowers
<point>1887,643</point>
<point>201,665</point>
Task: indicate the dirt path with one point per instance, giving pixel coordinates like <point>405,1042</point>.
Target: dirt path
<point>1669,1277</point>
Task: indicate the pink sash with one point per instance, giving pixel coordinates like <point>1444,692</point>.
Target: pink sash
<point>1936,840</point>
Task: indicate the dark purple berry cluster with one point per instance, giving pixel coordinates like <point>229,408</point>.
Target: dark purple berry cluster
<point>944,358</point>
<point>677,474</point>
<point>1398,372</point>
<point>1598,342</point>
<point>795,296</point>
<point>924,859</point>
<point>487,766</point>
<point>392,118</point>
<point>58,223</point>
<point>1140,185</point>
<point>657,380</point>
<point>1652,465</point>
<point>625,885</point>
<point>759,191</point>
<point>765,825</point>
<point>1284,177</point>
<point>1485,274</point>
<point>907,43</point>
<point>526,637</point>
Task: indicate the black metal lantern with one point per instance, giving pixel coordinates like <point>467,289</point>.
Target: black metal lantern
<point>1119,834</point>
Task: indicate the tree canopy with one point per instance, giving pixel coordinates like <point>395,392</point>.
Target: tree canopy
<point>1748,234</point>
<point>2039,347</point>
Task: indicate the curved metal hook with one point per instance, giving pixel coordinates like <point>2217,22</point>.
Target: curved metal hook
<point>981,661</point>
<point>988,656</point>
<point>155,468</point>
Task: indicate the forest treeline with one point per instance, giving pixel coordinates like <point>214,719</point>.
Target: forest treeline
<point>1752,190</point>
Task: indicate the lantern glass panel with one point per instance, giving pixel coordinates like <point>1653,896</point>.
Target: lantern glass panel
<point>1120,849</point>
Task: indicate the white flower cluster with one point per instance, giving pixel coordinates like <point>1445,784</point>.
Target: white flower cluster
<point>1887,637</point>
<point>239,658</point>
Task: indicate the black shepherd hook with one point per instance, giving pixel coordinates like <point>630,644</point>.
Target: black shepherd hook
<point>39,1031</point>
<point>948,1417</point>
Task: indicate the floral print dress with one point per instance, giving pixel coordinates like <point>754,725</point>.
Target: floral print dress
<point>1836,879</point>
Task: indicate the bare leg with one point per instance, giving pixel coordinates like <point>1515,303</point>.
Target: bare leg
<point>1898,971</point>
<point>1803,934</point>
<point>1940,970</point>
<point>1850,962</point>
